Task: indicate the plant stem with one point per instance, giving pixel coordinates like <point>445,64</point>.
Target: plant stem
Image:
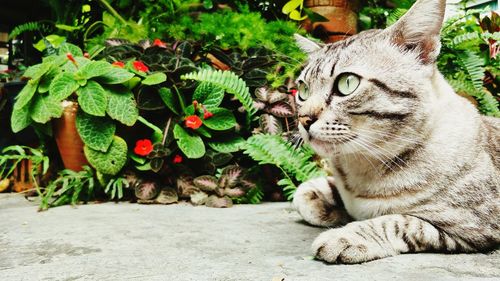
<point>165,133</point>
<point>112,11</point>
<point>181,100</point>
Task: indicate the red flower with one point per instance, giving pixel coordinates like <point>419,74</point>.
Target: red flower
<point>159,43</point>
<point>86,55</point>
<point>143,147</point>
<point>118,64</point>
<point>71,58</point>
<point>177,159</point>
<point>140,66</point>
<point>293,92</point>
<point>195,105</point>
<point>193,122</point>
<point>206,114</point>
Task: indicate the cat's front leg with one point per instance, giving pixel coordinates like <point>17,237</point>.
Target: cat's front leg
<point>381,237</point>
<point>318,202</point>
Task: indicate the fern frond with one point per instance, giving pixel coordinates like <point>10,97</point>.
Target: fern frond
<point>230,82</point>
<point>295,163</point>
<point>466,37</point>
<point>474,66</point>
<point>395,15</point>
<point>29,26</point>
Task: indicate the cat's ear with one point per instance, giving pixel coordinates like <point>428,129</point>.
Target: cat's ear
<point>305,44</point>
<point>419,29</point>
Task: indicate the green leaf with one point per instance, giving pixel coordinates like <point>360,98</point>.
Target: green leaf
<point>110,162</point>
<point>116,76</point>
<point>233,145</point>
<point>93,69</point>
<point>24,97</point>
<point>154,79</point>
<point>70,48</point>
<point>96,132</point>
<point>63,86</point>
<point>71,68</point>
<point>222,119</point>
<point>69,28</point>
<point>191,145</point>
<point>93,99</point>
<point>291,6</point>
<point>47,78</point>
<point>209,95</point>
<point>122,106</point>
<point>20,119</point>
<point>170,100</point>
<point>37,71</point>
<point>45,108</point>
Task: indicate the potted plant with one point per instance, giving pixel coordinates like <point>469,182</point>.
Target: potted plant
<point>93,97</point>
<point>338,17</point>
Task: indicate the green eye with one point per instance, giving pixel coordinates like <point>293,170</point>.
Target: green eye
<point>304,93</point>
<point>347,83</point>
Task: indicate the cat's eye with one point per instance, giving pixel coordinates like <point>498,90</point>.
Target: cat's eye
<point>303,92</point>
<point>347,83</point>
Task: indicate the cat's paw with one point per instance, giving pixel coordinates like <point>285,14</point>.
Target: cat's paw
<point>343,245</point>
<point>315,202</point>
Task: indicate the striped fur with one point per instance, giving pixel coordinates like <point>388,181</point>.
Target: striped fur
<point>416,167</point>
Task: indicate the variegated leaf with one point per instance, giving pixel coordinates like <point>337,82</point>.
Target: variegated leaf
<point>234,192</point>
<point>230,176</point>
<point>270,124</point>
<point>185,186</point>
<point>206,183</point>
<point>146,190</point>
<point>259,105</point>
<point>262,94</point>
<point>218,202</point>
<point>281,109</point>
<point>276,96</point>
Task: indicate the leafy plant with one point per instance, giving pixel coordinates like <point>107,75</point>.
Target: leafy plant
<point>102,95</point>
<point>219,191</point>
<point>468,59</point>
<point>296,165</point>
<point>276,106</point>
<point>69,188</point>
<point>12,156</point>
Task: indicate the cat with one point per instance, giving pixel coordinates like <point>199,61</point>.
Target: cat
<point>415,167</point>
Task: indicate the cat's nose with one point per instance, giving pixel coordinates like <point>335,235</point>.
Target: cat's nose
<point>307,121</point>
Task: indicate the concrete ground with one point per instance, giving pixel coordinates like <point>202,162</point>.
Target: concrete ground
<point>124,241</point>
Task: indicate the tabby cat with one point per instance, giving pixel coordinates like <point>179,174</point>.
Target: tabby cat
<point>414,165</point>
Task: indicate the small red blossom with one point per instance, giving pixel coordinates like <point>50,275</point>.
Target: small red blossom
<point>177,159</point>
<point>86,55</point>
<point>195,105</point>
<point>140,66</point>
<point>293,92</point>
<point>206,114</point>
<point>143,147</point>
<point>159,43</point>
<point>193,122</point>
<point>118,64</point>
<point>71,58</point>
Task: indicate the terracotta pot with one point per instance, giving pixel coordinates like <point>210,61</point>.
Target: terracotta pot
<point>68,140</point>
<point>342,15</point>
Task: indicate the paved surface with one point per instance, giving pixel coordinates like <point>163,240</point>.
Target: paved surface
<point>179,242</point>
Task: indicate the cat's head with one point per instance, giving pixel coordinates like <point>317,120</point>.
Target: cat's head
<point>371,86</point>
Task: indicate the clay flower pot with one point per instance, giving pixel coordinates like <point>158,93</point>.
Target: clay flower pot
<point>342,16</point>
<point>67,138</point>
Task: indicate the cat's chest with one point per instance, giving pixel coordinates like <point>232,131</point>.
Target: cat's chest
<point>363,204</point>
